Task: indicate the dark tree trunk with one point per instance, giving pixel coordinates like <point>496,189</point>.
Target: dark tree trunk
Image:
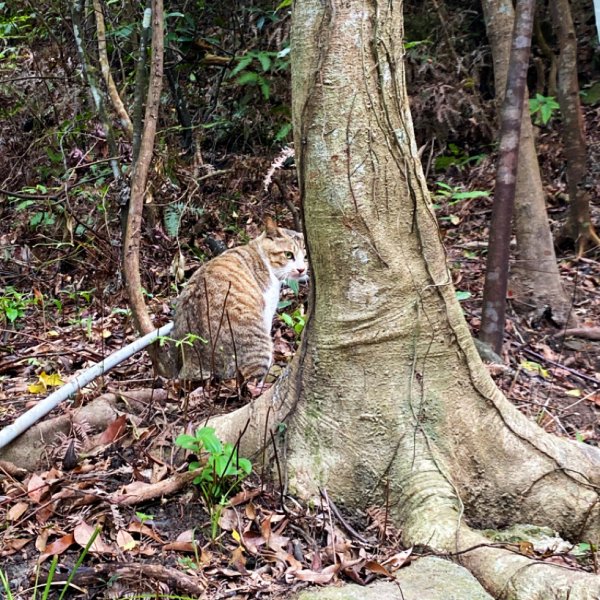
<point>496,278</point>
<point>579,226</point>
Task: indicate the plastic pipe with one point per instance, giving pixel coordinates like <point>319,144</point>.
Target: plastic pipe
<point>26,420</point>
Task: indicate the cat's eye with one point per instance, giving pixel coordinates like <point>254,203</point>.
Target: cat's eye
<point>289,255</point>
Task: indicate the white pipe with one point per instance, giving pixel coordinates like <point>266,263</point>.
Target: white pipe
<point>26,420</point>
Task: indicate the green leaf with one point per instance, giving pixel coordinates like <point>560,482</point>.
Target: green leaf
<point>287,319</point>
<point>11,313</point>
<point>265,61</point>
<point>294,285</point>
<point>244,62</point>
<point>456,196</point>
<point>283,4</point>
<point>188,442</point>
<point>245,465</point>
<point>208,438</point>
<point>265,88</point>
<point>462,295</point>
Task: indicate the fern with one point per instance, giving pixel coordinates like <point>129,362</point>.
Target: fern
<point>173,215</point>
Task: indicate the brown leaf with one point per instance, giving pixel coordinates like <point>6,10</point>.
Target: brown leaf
<point>181,546</point>
<point>37,488</point>
<point>58,546</point>
<point>393,563</point>
<point>113,431</point>
<point>375,567</point>
<point>83,532</point>
<point>252,540</point>
<point>125,540</point>
<point>11,546</point>
<point>16,510</point>
<point>243,496</point>
<point>325,576</point>
<point>238,561</point>
<point>137,527</point>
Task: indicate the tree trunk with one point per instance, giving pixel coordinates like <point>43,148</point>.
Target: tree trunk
<point>496,270</point>
<point>579,224</point>
<point>131,242</point>
<point>535,280</point>
<point>387,400</point>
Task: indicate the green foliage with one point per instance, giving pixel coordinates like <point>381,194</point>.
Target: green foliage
<point>542,108</point>
<point>454,194</point>
<point>14,26</point>
<point>173,215</point>
<point>456,158</point>
<point>13,304</point>
<point>254,67</point>
<point>221,472</point>
<point>295,320</point>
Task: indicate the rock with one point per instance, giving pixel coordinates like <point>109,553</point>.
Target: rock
<point>425,579</point>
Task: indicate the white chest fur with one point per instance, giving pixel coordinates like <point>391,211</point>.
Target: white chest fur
<point>271,300</point>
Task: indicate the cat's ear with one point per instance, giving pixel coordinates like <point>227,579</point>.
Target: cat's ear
<point>271,229</point>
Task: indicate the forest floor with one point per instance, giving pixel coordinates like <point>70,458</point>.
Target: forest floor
<point>63,308</point>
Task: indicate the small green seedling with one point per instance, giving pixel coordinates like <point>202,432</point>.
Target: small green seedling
<point>542,108</point>
<point>221,471</point>
<point>296,320</point>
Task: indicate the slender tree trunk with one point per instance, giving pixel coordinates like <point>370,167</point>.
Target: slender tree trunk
<point>579,226</point>
<point>496,273</point>
<point>105,69</point>
<point>387,400</point>
<point>131,243</point>
<point>96,93</point>
<point>535,283</point>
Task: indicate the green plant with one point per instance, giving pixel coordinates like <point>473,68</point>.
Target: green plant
<point>173,214</point>
<point>451,195</point>
<point>542,108</point>
<point>221,471</point>
<point>13,304</point>
<point>253,67</point>
<point>456,158</point>
<point>295,320</point>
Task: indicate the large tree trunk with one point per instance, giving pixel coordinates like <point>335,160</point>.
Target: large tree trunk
<point>387,400</point>
<point>535,280</point>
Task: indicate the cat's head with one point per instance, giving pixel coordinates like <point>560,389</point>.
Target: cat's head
<point>284,250</point>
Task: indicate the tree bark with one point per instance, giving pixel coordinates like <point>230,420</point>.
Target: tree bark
<point>496,272</point>
<point>535,282</point>
<point>387,400</point>
<point>105,69</point>
<point>131,243</point>
<point>579,225</point>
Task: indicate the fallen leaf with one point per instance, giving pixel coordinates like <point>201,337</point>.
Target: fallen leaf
<point>142,529</point>
<point>325,576</point>
<point>113,431</point>
<point>83,532</point>
<point>125,540</point>
<point>378,569</point>
<point>15,511</point>
<point>393,563</point>
<point>37,488</point>
<point>58,546</point>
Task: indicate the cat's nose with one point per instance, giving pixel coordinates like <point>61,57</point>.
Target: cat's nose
<point>300,270</point>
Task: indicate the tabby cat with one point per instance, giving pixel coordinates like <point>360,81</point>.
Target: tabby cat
<point>230,302</point>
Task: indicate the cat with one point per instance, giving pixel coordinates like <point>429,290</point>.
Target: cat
<point>229,302</point>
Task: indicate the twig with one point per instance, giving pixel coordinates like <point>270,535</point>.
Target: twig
<point>557,364</point>
<point>340,518</point>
